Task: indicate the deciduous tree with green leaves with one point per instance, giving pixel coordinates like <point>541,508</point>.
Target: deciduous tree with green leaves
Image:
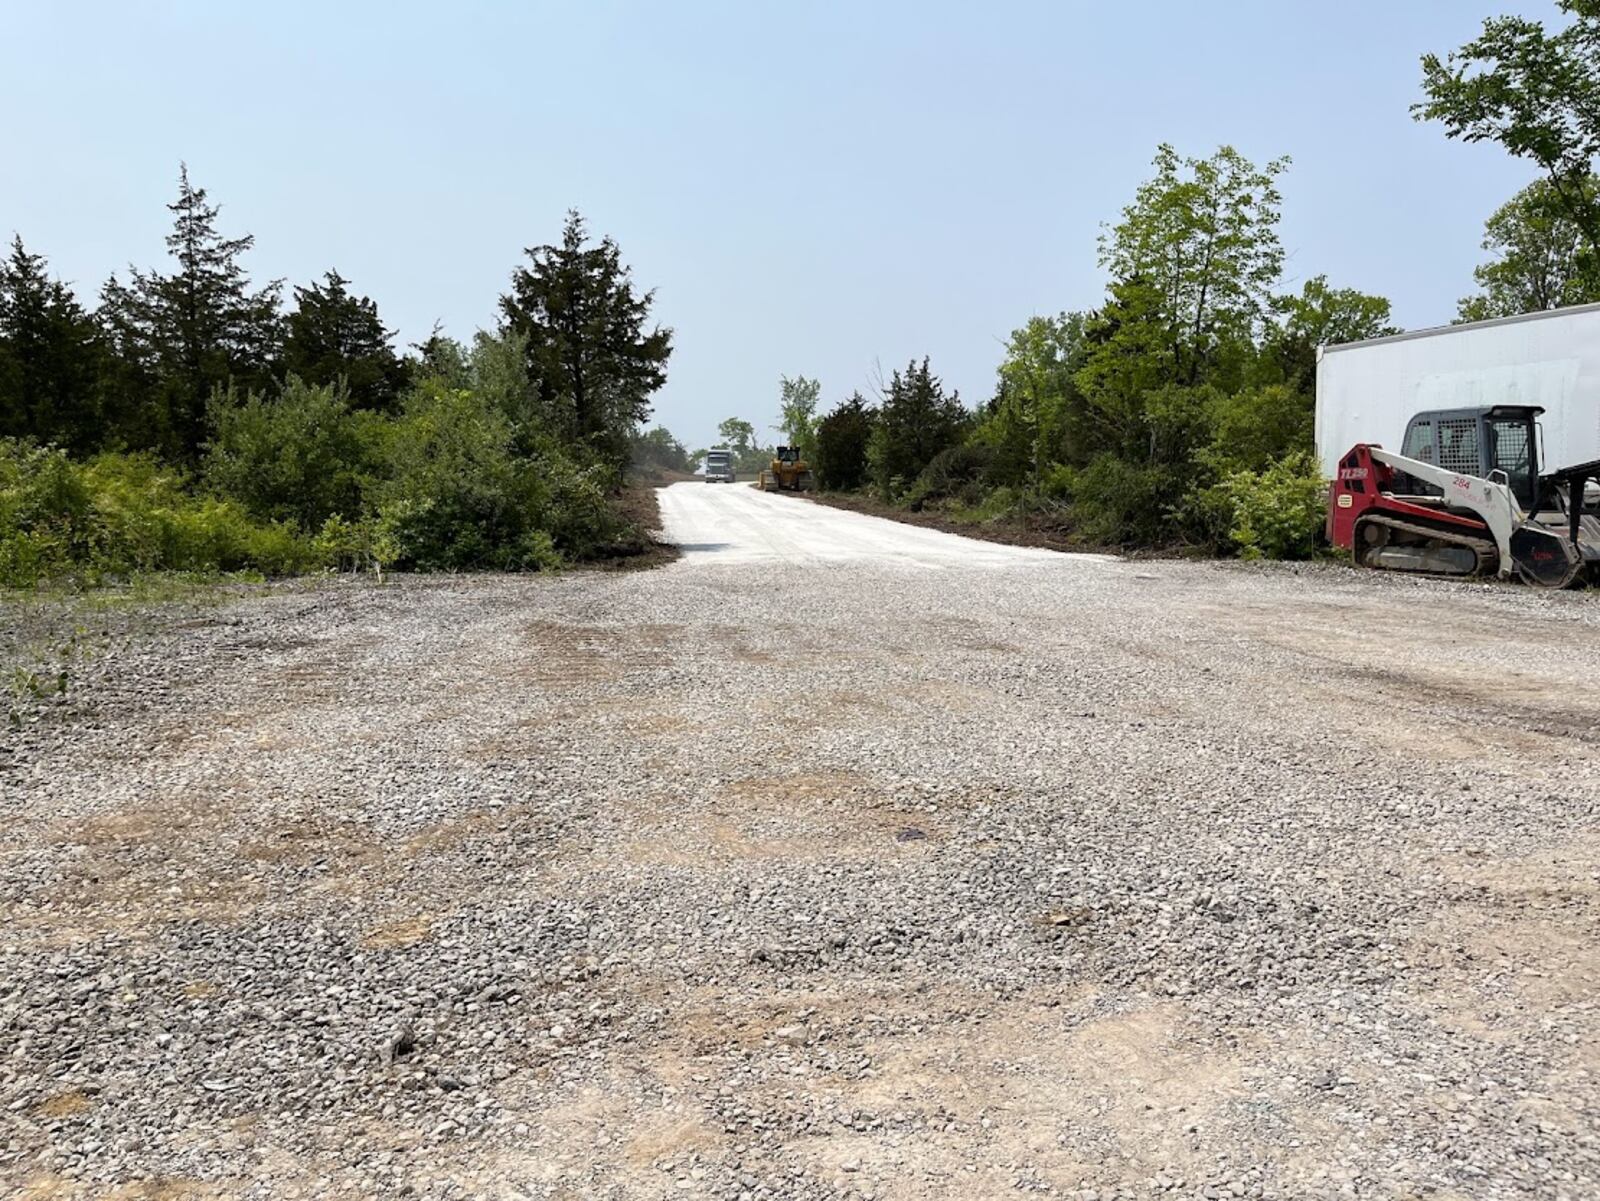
<point>736,434</point>
<point>1536,93</point>
<point>1542,259</point>
<point>1202,236</point>
<point>739,436</point>
<point>1037,408</point>
<point>797,399</point>
<point>1320,315</point>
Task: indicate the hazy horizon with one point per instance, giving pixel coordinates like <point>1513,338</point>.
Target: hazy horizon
<point>827,192</point>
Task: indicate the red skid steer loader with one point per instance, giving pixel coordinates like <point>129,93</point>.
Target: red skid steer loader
<point>1468,500</point>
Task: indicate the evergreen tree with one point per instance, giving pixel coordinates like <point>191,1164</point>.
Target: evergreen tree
<point>180,336</point>
<point>658,450</point>
<point>916,422</point>
<point>48,354</point>
<point>842,440</point>
<point>588,351</point>
<point>441,357</point>
<point>333,335</point>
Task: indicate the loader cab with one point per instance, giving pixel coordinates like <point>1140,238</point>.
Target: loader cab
<point>1476,442</point>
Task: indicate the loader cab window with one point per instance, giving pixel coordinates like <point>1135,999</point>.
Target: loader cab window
<point>1511,451</point>
<point>1419,445</point>
<point>1419,441</point>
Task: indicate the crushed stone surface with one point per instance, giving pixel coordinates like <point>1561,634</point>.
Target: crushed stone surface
<point>833,878</point>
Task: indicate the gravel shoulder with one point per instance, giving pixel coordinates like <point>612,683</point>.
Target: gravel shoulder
<point>814,876</point>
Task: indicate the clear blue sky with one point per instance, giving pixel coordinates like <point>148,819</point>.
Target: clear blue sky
<point>811,188</point>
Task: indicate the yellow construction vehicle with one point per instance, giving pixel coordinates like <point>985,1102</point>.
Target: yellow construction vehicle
<point>788,473</point>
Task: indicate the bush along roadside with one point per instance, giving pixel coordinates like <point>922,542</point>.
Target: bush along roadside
<point>442,486</point>
<point>321,449</point>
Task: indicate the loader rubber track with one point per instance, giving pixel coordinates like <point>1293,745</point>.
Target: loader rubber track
<point>1487,552</point>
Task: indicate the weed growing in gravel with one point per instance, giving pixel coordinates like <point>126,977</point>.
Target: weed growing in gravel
<point>41,673</point>
<point>51,635</point>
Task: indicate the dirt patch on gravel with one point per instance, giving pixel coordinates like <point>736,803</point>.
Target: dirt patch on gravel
<point>63,1105</point>
<point>918,1091</point>
<point>783,817</point>
<point>1530,923</point>
<point>407,932</point>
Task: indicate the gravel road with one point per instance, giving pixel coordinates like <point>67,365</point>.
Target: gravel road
<point>951,871</point>
<point>726,525</point>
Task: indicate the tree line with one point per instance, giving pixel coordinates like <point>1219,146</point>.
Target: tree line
<point>192,419</point>
<point>1180,411</point>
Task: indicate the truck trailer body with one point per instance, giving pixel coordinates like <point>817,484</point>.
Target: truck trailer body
<point>1368,391</point>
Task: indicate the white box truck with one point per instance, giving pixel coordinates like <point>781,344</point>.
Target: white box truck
<point>1368,391</point>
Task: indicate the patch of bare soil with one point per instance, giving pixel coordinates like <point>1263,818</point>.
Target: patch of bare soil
<point>640,549</point>
<point>1035,530</point>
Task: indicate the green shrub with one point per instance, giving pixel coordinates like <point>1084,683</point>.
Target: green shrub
<point>300,457</point>
<point>354,545</point>
<point>1205,515</point>
<point>1000,503</point>
<point>578,515</point>
<point>455,497</point>
<point>118,514</point>
<point>1055,483</point>
<point>955,473</point>
<point>1118,503</point>
<point>1277,513</point>
<point>1256,427</point>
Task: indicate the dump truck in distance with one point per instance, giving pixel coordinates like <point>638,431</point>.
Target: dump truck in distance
<point>719,467</point>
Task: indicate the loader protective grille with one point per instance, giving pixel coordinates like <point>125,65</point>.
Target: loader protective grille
<point>1511,451</point>
<point>1458,445</point>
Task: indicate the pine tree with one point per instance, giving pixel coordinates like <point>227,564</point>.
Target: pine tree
<point>180,336</point>
<point>842,440</point>
<point>48,355</point>
<point>333,335</point>
<point>588,351</point>
<point>917,421</point>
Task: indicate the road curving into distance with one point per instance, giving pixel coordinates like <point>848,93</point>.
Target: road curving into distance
<point>721,524</point>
